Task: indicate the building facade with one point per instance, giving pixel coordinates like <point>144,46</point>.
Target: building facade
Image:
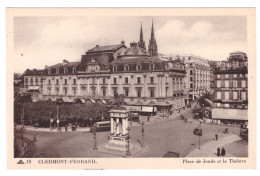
<point>231,84</point>
<point>33,83</point>
<point>231,89</point>
<point>197,79</point>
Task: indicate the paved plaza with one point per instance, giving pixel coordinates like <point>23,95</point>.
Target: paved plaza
<point>160,136</point>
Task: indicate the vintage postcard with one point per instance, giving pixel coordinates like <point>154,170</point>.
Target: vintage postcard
<point>131,88</point>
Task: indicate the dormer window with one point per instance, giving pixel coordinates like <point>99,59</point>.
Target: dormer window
<point>126,68</point>
<point>57,70</point>
<point>151,66</point>
<point>74,70</point>
<point>138,67</point>
<point>65,70</point>
<point>49,72</point>
<point>114,68</point>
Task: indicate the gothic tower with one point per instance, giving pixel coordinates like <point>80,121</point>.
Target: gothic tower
<point>141,42</point>
<point>152,47</point>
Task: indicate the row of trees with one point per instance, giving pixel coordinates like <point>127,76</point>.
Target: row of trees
<point>39,113</point>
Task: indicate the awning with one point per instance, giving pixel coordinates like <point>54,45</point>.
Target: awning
<point>67,100</point>
<point>103,101</point>
<point>33,88</point>
<point>133,108</point>
<point>147,109</point>
<point>92,101</point>
<point>82,100</point>
<point>229,114</point>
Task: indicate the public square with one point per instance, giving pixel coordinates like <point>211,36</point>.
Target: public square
<point>160,136</point>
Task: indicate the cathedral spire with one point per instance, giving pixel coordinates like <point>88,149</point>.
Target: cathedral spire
<point>141,42</point>
<point>152,47</point>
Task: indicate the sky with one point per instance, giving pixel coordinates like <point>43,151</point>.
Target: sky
<point>40,41</point>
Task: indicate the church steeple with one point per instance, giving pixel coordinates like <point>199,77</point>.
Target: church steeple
<point>152,47</point>
<point>141,42</point>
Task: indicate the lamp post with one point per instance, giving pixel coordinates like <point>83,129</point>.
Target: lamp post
<point>142,144</point>
<point>128,153</point>
<point>94,137</point>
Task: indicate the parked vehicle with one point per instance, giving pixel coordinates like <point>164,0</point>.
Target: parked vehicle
<point>102,126</point>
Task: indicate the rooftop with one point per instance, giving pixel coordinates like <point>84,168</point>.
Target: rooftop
<point>106,48</point>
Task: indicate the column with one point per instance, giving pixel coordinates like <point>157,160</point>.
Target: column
<point>123,126</point>
<point>170,87</point>
<point>117,125</point>
<point>126,123</point>
<point>132,86</point>
<point>109,86</point>
<point>78,92</point>
<point>112,125</point>
<point>98,88</point>
<point>163,87</point>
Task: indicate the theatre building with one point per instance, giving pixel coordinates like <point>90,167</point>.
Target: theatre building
<point>231,89</point>
<point>148,83</point>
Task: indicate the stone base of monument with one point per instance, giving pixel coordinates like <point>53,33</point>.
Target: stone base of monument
<point>118,143</point>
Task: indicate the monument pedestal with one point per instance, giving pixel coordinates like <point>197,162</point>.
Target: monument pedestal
<point>118,142</point>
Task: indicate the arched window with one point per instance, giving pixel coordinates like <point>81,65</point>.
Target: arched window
<point>114,68</point>
<point>138,67</point>
<point>126,68</point>
<point>74,69</point>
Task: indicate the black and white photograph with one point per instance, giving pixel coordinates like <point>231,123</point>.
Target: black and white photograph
<point>131,86</point>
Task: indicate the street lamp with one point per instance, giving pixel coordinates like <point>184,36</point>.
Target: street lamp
<point>128,153</point>
<point>94,133</point>
<point>142,144</point>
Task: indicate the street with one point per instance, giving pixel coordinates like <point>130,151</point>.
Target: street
<point>160,136</point>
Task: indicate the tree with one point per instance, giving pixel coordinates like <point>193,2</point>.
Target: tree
<point>118,100</point>
<point>205,99</point>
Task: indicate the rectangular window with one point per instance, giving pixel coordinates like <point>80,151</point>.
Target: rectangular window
<point>218,76</point>
<point>152,79</point>
<point>138,80</point>
<point>243,83</point>
<point>235,95</point>
<point>218,95</point>
<point>114,80</point>
<point>74,81</point>
<point>126,80</point>
<point>243,95</point>
<point>235,76</point>
<point>151,92</point>
<point>65,81</point>
<point>218,83</point>
<point>226,83</point>
<point>126,68</point>
<point>104,80</point>
<point>235,83</point>
<point>93,91</point>
<point>191,79</point>
<point>93,80</point>
<point>57,81</point>
<point>138,67</point>
<point>226,76</point>
<point>65,91</point>
<point>74,91</point>
<point>226,95</point>
<point>126,92</point>
<point>139,92</point>
<point>104,92</point>
<point>49,81</point>
<point>115,92</point>
<point>191,72</point>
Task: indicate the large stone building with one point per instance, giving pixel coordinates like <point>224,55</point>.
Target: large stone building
<point>148,82</point>
<point>231,88</point>
<point>197,81</point>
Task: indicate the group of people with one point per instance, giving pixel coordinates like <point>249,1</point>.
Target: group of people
<point>221,151</point>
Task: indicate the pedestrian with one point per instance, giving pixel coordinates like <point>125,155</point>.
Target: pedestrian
<point>218,151</point>
<point>148,118</point>
<point>185,120</point>
<point>223,152</point>
<point>66,128</point>
<point>216,136</point>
